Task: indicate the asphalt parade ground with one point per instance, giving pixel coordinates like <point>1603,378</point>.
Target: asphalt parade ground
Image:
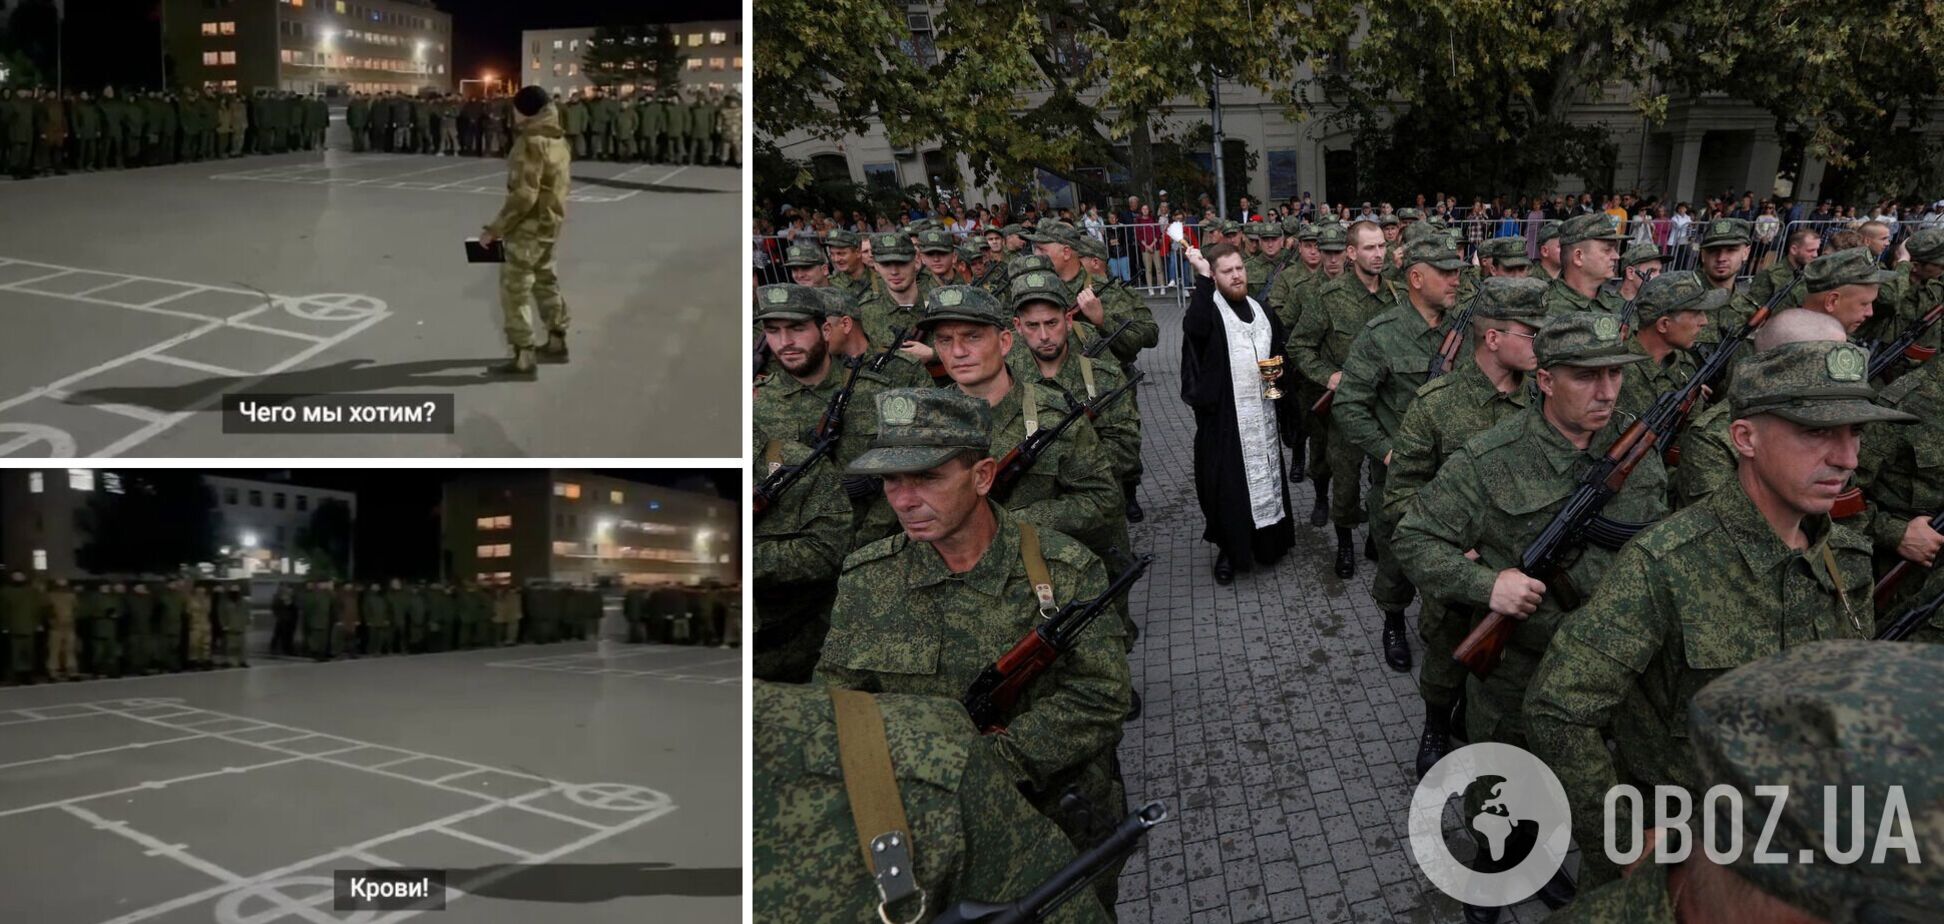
<point>583,781</point>
<point>135,299</point>
<point>1272,728</point>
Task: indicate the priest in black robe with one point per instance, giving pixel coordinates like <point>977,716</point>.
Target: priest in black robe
<point>1239,477</point>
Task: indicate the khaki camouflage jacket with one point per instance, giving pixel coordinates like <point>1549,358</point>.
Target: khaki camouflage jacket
<point>801,541</point>
<point>1325,328</point>
<point>537,180</point>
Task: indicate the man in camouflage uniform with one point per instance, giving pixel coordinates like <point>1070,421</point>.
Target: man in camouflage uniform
<point>314,607</point>
<point>84,117</point>
<point>1504,256</point>
<point>50,134</point>
<point>677,113</point>
<point>1901,473</point>
<point>1725,245</point>
<point>200,617</point>
<point>649,128</point>
<point>171,624</point>
<point>1267,261</point>
<point>849,272</point>
<point>1453,408</point>
<point>357,117</point>
<point>938,255</point>
<point>63,647</point>
<point>1589,246</point>
<point>729,126</point>
<point>1103,307</point>
<point>1802,245</point>
<point>1845,286</point>
<point>17,130</point>
<point>99,611</point>
<point>21,605</point>
<point>1670,311</point>
<point>537,180</point>
<point>1292,292</point>
<point>926,610</point>
<point>982,840</point>
<point>1388,361</point>
<point>233,626</point>
<point>627,123</point>
<point>1870,718</point>
<point>801,541</point>
<point>1638,263</point>
<point>1922,289</point>
<point>702,126</point>
<point>1750,571</point>
<point>898,301</point>
<point>1324,330</point>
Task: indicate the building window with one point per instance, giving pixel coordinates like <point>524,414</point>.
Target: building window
<point>35,483</point>
<point>716,64</point>
<point>40,559</point>
<point>567,489</point>
<point>229,496</point>
<point>615,497</point>
<point>695,40</point>
<point>574,69</point>
<point>81,479</point>
<point>303,502</point>
<point>256,498</point>
<point>557,44</point>
<point>495,551</point>
<point>695,64</point>
<point>340,7</point>
<point>228,57</point>
<point>209,28</point>
<point>277,500</point>
<point>111,482</point>
<point>881,176</point>
<point>536,46</point>
<point>718,38</point>
<point>920,46</point>
<point>227,28</point>
<point>441,69</point>
<point>280,537</point>
<point>209,58</point>
<point>495,577</point>
<point>536,64</point>
<point>499,522</point>
<point>565,548</point>
<point>558,70</point>
<point>572,44</point>
<point>736,62</point>
<point>289,57</point>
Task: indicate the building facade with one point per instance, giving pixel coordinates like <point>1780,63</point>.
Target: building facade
<point>515,526</point>
<point>712,49</point>
<point>309,46</point>
<point>257,522</point>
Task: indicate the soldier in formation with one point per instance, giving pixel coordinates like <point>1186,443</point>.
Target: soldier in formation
<point>43,132</point>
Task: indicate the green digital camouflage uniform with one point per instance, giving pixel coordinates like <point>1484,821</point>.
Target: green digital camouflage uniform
<point>138,629</point>
<point>973,836</point>
<point>376,613</point>
<point>573,121</point>
<point>877,310</point>
<point>171,616</point>
<point>1708,589</point>
<point>1388,361</point>
<point>315,608</point>
<point>537,179</point>
<point>1769,281</point>
<point>1495,495</point>
<point>1901,472</point>
<point>1561,298</point>
<point>1319,345</point>
<point>676,114</point>
<point>1661,296</point>
<point>801,541</point>
<point>21,605</point>
<point>476,618</point>
<point>1911,299</point>
<point>1814,716</point>
<point>99,611</point>
<point>1707,459</point>
<point>1290,297</point>
<point>1448,411</point>
<point>233,618</point>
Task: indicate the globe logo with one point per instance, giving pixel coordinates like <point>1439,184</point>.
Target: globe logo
<point>1513,810</point>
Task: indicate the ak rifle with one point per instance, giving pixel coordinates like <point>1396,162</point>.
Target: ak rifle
<point>1039,904</point>
<point>1912,618</point>
<point>1020,459</point>
<point>1887,586</point>
<point>990,699</point>
<point>1905,345</point>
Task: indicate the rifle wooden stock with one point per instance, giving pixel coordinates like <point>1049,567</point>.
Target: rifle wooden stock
<point>1017,669</point>
<point>1322,405</point>
<point>1887,586</point>
<point>1482,648</point>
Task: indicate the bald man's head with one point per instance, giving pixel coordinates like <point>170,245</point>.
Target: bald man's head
<point>1797,325</point>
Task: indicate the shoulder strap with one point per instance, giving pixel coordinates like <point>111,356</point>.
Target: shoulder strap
<point>773,455</point>
<point>875,806</point>
<point>1036,570</point>
<point>1087,376</point>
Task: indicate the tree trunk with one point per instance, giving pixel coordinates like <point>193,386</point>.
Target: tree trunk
<point>1140,157</point>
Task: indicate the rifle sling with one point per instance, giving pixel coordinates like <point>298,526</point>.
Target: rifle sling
<point>872,787</point>
<point>1087,376</point>
<point>773,455</point>
<point>1036,570</point>
<point>1028,405</point>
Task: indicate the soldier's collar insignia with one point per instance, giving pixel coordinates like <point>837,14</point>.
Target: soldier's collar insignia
<point>1846,363</point>
<point>897,410</point>
<point>778,296</point>
<point>1606,328</point>
<point>951,298</point>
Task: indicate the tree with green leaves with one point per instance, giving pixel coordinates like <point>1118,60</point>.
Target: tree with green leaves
<point>324,542</point>
<point>644,54</point>
<point>162,521</point>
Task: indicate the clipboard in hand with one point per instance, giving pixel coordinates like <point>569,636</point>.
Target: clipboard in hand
<point>476,253</point>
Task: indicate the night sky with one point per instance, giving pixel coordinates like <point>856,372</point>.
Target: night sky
<point>119,42</point>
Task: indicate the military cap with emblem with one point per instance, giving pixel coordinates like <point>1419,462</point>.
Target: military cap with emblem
<point>1308,232</point>
<point>970,251</point>
<point>1409,214</point>
<point>920,429</point>
<point>1054,231</point>
<point>1209,226</point>
<point>1028,262</point>
<point>1819,383</point>
<point>837,302</point>
<point>1638,254</point>
<point>1926,246</point>
<point>1548,230</point>
<point>1090,246</point>
<point>1821,719</point>
<point>1512,298</point>
<point>1583,338</point>
<point>1332,237</point>
<point>1418,231</point>
<point>923,225</point>
<point>1013,230</point>
<point>804,253</point>
<point>1852,267</point>
<point>1596,226</point>
<point>1725,232</point>
<point>892,247</point>
<point>1508,252</point>
<point>1682,290</point>
<point>1294,227</point>
<point>1231,226</point>
<point>840,237</point>
<point>1434,250</point>
<point>1387,220</point>
<point>937,240</point>
<point>1037,286</point>
<point>786,302</point>
<point>962,303</point>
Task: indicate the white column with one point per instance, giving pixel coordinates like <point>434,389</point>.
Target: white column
<point>1683,160</point>
<point>1764,159</point>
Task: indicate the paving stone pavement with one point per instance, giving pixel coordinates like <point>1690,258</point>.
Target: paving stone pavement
<point>1281,743</point>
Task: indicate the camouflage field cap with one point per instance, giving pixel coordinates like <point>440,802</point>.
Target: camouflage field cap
<point>1013,230</point>
<point>1860,714</point>
<point>1852,267</point>
<point>1419,230</point>
<point>1231,227</point>
<point>1037,286</point>
<point>1305,231</point>
<point>1725,232</point>
<point>970,251</point>
<point>840,237</point>
<point>1583,338</point>
<point>1548,230</point>
<point>1926,246</point>
<point>1053,231</point>
<point>1507,252</point>
<point>892,247</point>
<point>1261,229</point>
<point>1387,220</point>
<point>923,225</point>
<point>1820,383</point>
<point>921,428</point>
<point>1512,298</point>
<point>937,240</point>
<point>803,253</point>
<point>1090,246</point>
<point>1296,228</point>
<point>962,303</point>
<point>1434,249</point>
<point>1597,226</point>
<point>1332,236</point>
<point>1683,290</point>
<point>1209,226</point>
<point>1409,214</point>
<point>1028,262</point>
<point>1637,254</point>
<point>788,302</point>
<point>837,302</point>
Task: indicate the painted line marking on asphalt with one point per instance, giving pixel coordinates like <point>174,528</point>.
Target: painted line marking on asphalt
<point>156,848</point>
<point>80,754</point>
<point>193,364</point>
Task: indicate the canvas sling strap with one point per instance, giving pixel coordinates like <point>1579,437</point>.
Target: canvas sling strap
<point>883,834</point>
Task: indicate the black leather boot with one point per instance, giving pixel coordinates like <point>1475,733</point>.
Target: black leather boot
<point>1346,563</point>
<point>1397,647</point>
<point>1224,569</point>
<point>1435,741</point>
<point>1320,512</point>
<point>1134,512</point>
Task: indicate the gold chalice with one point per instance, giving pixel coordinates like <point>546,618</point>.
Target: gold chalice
<point>1270,369</point>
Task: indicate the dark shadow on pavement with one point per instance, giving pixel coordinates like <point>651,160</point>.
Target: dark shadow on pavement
<point>581,883</point>
<point>647,187</point>
<point>347,377</point>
